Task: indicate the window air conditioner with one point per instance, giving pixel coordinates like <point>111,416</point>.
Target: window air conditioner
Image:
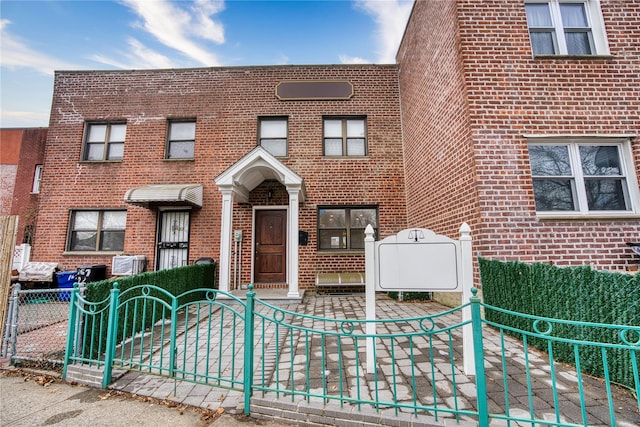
<point>126,265</point>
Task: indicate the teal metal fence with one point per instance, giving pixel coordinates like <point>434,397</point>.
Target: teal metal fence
<point>195,336</point>
<point>265,350</point>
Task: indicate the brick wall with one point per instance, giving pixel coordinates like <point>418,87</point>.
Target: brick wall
<point>226,103</point>
<point>10,140</point>
<point>22,149</point>
<point>25,203</point>
<point>492,94</point>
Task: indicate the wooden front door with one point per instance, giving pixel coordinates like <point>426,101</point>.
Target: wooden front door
<point>270,247</point>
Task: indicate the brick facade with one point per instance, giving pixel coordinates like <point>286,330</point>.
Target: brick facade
<point>470,99</point>
<point>226,103</point>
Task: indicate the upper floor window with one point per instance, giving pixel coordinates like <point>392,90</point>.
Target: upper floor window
<point>273,135</point>
<point>345,136</point>
<point>583,177</point>
<point>181,140</point>
<point>97,230</point>
<point>37,177</point>
<point>341,228</point>
<point>104,141</point>
<point>572,27</point>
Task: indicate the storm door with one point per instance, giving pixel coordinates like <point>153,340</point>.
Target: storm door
<point>270,247</point>
<point>173,239</point>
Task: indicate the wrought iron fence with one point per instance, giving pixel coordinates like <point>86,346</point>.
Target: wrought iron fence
<point>268,350</point>
<point>36,327</point>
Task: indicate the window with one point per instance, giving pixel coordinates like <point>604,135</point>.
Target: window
<point>273,135</point>
<point>566,27</point>
<point>104,141</point>
<point>343,228</point>
<point>345,137</point>
<point>97,230</point>
<point>181,140</point>
<point>37,177</point>
<point>582,177</point>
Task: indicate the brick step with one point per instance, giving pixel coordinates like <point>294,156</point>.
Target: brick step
<point>312,413</point>
<point>90,375</point>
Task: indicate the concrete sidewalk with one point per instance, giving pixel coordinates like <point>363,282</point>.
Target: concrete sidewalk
<point>29,398</point>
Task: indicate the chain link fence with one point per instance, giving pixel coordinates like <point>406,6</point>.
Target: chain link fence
<point>36,327</point>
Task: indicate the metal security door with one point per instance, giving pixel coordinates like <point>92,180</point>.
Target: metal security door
<point>173,239</point>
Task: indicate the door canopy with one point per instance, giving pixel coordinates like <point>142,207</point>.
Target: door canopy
<point>236,183</point>
<point>254,168</point>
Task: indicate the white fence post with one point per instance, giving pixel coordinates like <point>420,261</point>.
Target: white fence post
<point>467,284</point>
<point>370,283</point>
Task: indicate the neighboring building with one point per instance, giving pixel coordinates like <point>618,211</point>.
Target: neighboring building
<point>21,160</point>
<point>519,118</point>
<point>522,118</point>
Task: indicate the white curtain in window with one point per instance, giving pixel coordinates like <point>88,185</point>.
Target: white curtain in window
<point>538,15</point>
<point>182,131</point>
<point>333,147</point>
<point>573,15</point>
<point>333,128</point>
<point>273,129</point>
<point>578,43</point>
<point>114,220</point>
<point>117,133</point>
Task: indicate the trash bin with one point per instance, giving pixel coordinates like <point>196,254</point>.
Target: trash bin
<point>208,260</point>
<point>65,280</point>
<point>91,273</point>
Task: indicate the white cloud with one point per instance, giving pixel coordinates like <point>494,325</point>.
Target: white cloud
<point>16,54</point>
<point>176,27</point>
<point>345,59</point>
<point>391,18</point>
<point>205,27</point>
<point>27,119</point>
<point>139,57</point>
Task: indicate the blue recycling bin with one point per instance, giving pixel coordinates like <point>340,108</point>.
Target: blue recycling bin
<point>66,279</point>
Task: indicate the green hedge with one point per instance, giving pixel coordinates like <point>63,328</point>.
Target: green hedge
<point>175,281</point>
<point>570,293</point>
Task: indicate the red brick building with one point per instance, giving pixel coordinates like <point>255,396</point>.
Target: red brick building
<point>21,160</point>
<point>336,166</point>
<point>492,94</point>
<point>518,117</point>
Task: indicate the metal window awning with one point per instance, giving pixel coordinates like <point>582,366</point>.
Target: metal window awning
<point>170,194</point>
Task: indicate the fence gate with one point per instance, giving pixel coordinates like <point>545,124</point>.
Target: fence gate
<point>196,336</point>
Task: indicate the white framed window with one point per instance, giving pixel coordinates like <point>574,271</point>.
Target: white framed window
<point>181,139</point>
<point>566,27</point>
<point>97,230</point>
<point>37,177</point>
<point>272,135</point>
<point>345,136</point>
<point>587,177</point>
<point>104,141</point>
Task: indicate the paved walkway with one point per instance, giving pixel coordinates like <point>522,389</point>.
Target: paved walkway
<point>291,375</point>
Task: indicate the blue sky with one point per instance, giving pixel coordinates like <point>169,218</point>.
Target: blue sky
<point>38,37</point>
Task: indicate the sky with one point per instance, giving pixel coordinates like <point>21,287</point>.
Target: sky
<point>40,37</point>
